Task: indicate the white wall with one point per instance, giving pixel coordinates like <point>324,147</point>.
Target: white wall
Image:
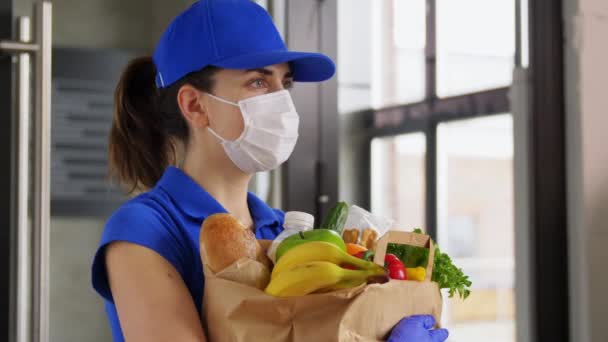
<point>133,24</point>
<point>587,165</point>
<point>76,311</point>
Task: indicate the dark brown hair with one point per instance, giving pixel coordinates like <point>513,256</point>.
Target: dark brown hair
<point>147,123</point>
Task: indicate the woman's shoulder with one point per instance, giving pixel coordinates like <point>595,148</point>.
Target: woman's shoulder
<point>146,212</point>
<point>147,206</point>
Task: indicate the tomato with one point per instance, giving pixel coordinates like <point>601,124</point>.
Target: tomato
<point>349,267</point>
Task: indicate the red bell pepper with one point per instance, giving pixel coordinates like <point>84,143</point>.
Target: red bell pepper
<point>396,269</point>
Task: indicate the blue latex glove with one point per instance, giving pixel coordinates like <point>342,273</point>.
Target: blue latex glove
<point>417,329</point>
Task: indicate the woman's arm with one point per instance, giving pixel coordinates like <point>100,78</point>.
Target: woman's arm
<point>151,298</point>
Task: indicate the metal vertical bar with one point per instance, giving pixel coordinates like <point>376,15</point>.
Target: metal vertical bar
<point>431,179</point>
<point>366,173</point>
<point>549,235</point>
<point>519,103</point>
<point>321,199</point>
<point>431,131</point>
<point>328,125</point>
<point>299,183</point>
<point>276,8</point>
<point>23,261</point>
<point>29,307</point>
<point>518,39</point>
<point>42,169</point>
<point>431,50</point>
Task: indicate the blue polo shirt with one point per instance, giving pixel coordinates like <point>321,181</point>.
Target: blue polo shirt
<point>167,219</point>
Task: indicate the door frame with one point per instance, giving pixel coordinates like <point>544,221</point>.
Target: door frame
<point>547,168</point>
<point>7,124</point>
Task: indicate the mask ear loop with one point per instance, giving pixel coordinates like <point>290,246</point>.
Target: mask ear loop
<point>222,100</point>
<point>226,102</point>
<point>215,134</point>
<point>243,115</point>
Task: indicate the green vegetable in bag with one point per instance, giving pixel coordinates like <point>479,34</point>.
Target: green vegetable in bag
<point>445,273</point>
<point>336,218</point>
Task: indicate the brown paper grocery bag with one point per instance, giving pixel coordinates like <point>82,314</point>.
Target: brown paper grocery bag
<point>235,308</point>
<point>406,238</point>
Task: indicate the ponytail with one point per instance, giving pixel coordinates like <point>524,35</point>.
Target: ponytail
<point>147,124</point>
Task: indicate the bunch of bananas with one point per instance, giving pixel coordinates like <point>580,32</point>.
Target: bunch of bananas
<point>315,267</point>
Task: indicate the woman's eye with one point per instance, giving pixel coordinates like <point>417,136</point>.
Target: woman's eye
<point>288,84</point>
<point>259,83</point>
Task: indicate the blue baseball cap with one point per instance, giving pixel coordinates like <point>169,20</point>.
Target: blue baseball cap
<point>232,34</point>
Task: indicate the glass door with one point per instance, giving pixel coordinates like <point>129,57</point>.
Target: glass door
<point>92,44</point>
<point>27,73</point>
<point>61,198</point>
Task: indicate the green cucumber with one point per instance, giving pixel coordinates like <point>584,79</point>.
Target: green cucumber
<point>336,218</point>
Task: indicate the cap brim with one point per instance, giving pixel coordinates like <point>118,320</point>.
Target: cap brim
<point>306,66</point>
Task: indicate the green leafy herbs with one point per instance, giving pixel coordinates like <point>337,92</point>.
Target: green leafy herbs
<point>445,273</point>
<point>448,276</point>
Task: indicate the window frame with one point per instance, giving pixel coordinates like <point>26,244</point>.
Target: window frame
<point>549,316</point>
<point>424,117</point>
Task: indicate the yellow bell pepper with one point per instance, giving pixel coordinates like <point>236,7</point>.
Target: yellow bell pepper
<point>416,273</point>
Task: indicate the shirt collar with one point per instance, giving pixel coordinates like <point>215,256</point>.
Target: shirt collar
<point>262,214</point>
<point>197,203</point>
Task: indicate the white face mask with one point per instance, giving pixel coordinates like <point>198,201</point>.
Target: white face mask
<point>270,133</point>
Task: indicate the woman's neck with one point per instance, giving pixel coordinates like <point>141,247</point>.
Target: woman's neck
<point>222,180</point>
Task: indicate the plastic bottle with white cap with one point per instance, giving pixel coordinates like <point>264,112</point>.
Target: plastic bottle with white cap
<point>298,220</point>
<point>295,222</point>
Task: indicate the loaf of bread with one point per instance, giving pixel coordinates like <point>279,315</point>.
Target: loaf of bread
<point>224,240</point>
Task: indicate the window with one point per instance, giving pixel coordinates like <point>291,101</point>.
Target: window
<point>263,3</point>
<point>444,162</point>
<point>475,224</point>
<point>381,59</point>
<point>398,179</point>
<point>475,45</point>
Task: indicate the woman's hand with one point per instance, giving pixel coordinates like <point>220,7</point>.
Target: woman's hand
<point>417,329</point>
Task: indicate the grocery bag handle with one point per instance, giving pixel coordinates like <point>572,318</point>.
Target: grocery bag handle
<point>406,238</point>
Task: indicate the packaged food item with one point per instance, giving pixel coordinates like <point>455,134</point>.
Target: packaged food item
<point>368,238</point>
<point>295,222</point>
<point>351,235</point>
<point>365,228</point>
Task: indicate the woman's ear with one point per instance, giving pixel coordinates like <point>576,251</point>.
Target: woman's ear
<point>191,102</point>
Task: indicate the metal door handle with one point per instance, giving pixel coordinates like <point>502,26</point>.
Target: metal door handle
<point>42,170</point>
<point>32,297</point>
<point>22,292</point>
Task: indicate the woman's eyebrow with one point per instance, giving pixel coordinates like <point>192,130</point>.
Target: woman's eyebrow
<point>269,72</point>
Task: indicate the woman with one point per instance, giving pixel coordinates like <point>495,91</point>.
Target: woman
<point>191,126</point>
